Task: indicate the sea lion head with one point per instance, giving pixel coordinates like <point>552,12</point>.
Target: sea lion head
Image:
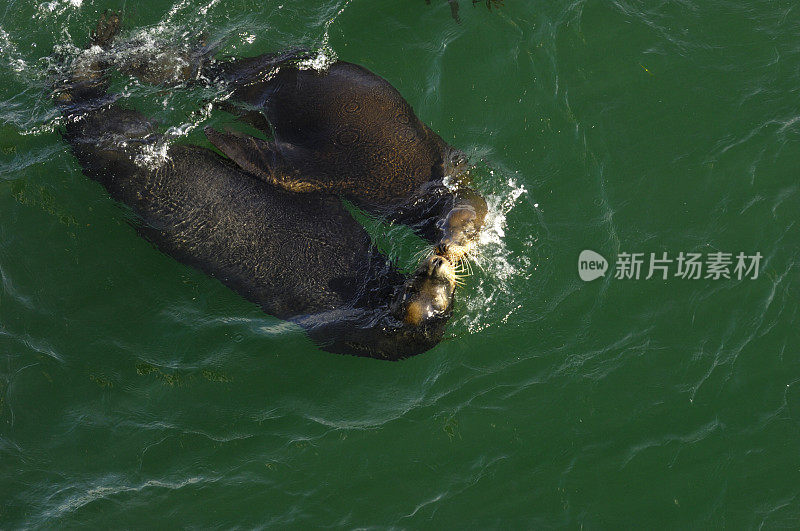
<point>455,162</point>
<point>427,296</point>
<point>461,228</point>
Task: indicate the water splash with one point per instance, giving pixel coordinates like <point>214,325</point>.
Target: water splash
<point>11,55</point>
<point>491,245</point>
<point>325,54</point>
<point>322,61</point>
<point>153,156</point>
<point>57,8</point>
<point>489,298</point>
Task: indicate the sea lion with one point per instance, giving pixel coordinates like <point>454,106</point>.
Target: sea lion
<point>301,257</point>
<point>348,131</point>
<point>343,131</point>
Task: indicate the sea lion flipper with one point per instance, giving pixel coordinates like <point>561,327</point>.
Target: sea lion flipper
<point>254,118</point>
<point>261,159</point>
<point>252,154</point>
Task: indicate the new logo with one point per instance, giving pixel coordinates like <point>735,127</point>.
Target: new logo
<point>591,265</point>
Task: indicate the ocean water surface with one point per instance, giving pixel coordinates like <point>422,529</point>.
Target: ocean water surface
<point>138,392</point>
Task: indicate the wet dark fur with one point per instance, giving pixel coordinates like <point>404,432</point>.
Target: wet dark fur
<point>346,131</point>
<point>300,257</point>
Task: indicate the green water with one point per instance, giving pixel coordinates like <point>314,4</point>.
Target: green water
<point>137,392</point>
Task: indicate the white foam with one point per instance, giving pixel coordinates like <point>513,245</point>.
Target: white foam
<point>326,55</point>
<point>204,9</point>
<point>57,8</point>
<point>11,55</point>
<point>489,295</point>
<point>321,62</point>
<point>152,156</point>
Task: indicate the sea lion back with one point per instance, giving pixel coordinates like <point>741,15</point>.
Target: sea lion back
<point>353,128</point>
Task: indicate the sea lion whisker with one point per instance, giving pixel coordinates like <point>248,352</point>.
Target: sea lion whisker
<point>477,262</point>
<point>462,270</point>
<point>418,255</point>
<point>423,254</point>
<point>465,259</point>
<point>463,264</point>
<point>462,274</point>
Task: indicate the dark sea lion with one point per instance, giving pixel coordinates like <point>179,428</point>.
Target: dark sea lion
<point>301,257</point>
<point>348,131</point>
<point>343,131</point>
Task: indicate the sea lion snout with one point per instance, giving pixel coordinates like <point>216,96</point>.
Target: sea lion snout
<point>440,267</point>
<point>456,163</point>
<point>429,294</point>
<point>460,230</point>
